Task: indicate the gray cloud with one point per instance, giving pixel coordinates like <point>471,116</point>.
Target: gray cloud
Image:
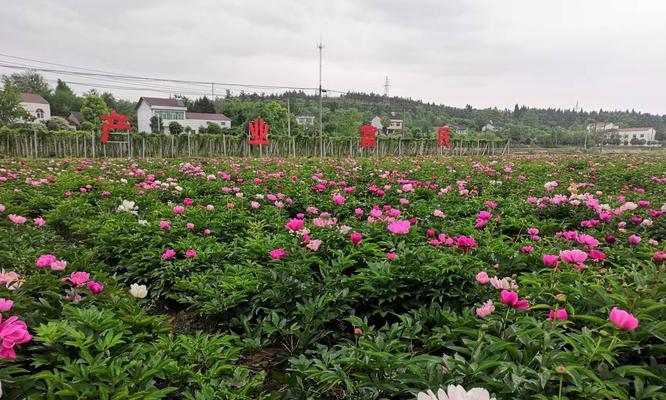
<point>482,52</point>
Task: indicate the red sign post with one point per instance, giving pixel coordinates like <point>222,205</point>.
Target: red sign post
<point>258,131</point>
<point>444,137</point>
<point>368,138</point>
<point>113,121</point>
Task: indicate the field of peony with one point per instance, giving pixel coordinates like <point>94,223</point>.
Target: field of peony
<point>524,277</point>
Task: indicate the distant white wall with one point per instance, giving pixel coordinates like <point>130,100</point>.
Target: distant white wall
<point>143,115</point>
<point>32,108</point>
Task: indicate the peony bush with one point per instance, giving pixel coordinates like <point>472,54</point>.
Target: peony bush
<point>534,277</point>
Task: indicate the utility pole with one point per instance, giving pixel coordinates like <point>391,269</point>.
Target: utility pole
<point>386,87</point>
<point>212,91</point>
<point>320,46</point>
<point>288,128</point>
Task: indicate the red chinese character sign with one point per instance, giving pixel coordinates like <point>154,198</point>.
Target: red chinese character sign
<point>113,121</point>
<point>368,138</point>
<point>258,131</point>
<point>444,137</point>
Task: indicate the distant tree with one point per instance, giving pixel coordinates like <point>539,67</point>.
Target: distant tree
<point>156,124</point>
<point>57,123</point>
<point>92,108</point>
<point>10,105</point>
<point>110,101</point>
<point>202,105</point>
<point>214,129</point>
<point>175,128</point>
<point>30,82</point>
<point>186,101</point>
<point>203,129</point>
<point>64,100</point>
<point>87,126</point>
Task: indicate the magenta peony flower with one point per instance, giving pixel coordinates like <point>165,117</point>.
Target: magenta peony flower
<point>294,224</point>
<point>278,253</point>
<point>95,287</point>
<point>170,253</point>
<point>550,260</point>
<point>165,224</point>
<point>658,256</point>
<point>634,239</point>
<point>391,256</point>
<point>466,243</point>
<point>623,319</point>
<point>190,253</point>
<point>178,209</point>
<point>338,199</point>
<point>356,237</point>
<point>596,255</point>
<point>527,249</point>
<point>78,279</point>
<point>510,298</point>
<point>13,331</point>
<point>45,260</point>
<point>560,314</point>
<point>399,227</point>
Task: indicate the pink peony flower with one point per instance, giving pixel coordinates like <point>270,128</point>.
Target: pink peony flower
<point>39,221</point>
<point>95,287</point>
<point>178,209</point>
<point>399,227</point>
<point>73,299</point>
<point>596,255</point>
<point>356,237</point>
<point>170,253</point>
<point>623,319</point>
<point>13,331</point>
<point>658,256</point>
<point>482,277</point>
<point>486,309</point>
<point>560,314</point>
<point>338,199</point>
<point>391,256</point>
<point>278,253</point>
<point>466,243</point>
<point>58,265</point>
<point>77,278</point>
<point>527,249</point>
<point>17,219</point>
<point>189,225</point>
<point>5,305</point>
<point>165,224</point>
<point>45,260</point>
<point>573,256</point>
<point>190,253</point>
<point>634,239</point>
<point>510,298</point>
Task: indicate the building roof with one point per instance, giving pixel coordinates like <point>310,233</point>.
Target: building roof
<point>306,114</point>
<point>32,98</point>
<point>154,101</point>
<point>634,129</point>
<point>206,116</point>
<point>76,115</point>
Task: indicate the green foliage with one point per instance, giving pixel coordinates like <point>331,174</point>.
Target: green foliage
<point>175,128</point>
<point>92,108</point>
<point>10,107</point>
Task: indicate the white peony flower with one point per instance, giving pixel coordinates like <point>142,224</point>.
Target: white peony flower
<point>127,206</point>
<point>456,392</point>
<point>138,291</point>
<point>143,222</point>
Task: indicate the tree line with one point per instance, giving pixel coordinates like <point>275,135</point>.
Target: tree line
<point>341,115</point>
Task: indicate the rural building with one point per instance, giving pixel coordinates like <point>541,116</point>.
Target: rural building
<point>75,118</point>
<point>639,136</point>
<point>489,127</point>
<point>36,106</point>
<point>602,127</point>
<point>170,110</point>
<point>305,119</point>
<point>395,124</point>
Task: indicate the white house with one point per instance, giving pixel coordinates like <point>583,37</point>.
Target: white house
<point>640,136</point>
<point>170,110</point>
<point>377,122</point>
<point>36,106</point>
<point>305,119</point>
<point>489,127</point>
<point>395,124</point>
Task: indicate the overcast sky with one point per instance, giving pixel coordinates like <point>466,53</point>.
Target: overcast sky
<point>601,53</point>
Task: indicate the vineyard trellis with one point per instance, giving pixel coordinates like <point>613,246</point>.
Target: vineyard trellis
<point>79,144</point>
